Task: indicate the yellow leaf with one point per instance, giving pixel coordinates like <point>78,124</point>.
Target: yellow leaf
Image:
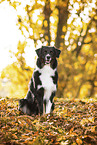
<point>45,23</point>
<point>74,143</point>
<point>91,119</point>
<point>64,29</point>
<point>15,137</point>
<point>95,17</point>
<point>35,121</point>
<point>83,121</point>
<point>93,128</point>
<point>46,37</point>
<point>62,36</point>
<point>79,141</point>
<point>71,130</point>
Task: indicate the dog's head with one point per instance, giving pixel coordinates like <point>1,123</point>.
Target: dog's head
<point>47,54</point>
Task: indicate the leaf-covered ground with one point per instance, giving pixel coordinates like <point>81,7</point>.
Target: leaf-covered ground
<point>72,123</point>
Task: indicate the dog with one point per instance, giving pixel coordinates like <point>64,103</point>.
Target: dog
<point>43,84</point>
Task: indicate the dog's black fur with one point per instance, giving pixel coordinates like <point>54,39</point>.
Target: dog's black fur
<point>43,83</point>
<point>28,106</point>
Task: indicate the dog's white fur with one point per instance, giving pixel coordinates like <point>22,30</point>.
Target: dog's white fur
<point>47,83</point>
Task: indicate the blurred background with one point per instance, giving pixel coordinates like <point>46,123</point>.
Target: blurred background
<point>70,25</point>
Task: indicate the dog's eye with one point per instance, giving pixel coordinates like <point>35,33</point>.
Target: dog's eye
<point>45,51</point>
<point>51,51</point>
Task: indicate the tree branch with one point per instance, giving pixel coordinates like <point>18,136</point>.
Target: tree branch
<point>79,47</point>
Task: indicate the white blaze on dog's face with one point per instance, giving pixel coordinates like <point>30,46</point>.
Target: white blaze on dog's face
<point>47,59</point>
<point>47,53</point>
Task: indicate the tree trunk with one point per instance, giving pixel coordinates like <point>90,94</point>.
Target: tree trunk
<point>62,21</point>
<point>46,23</point>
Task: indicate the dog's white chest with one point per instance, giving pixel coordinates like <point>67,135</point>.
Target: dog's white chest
<point>47,82</point>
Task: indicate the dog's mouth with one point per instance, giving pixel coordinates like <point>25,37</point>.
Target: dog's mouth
<point>47,61</point>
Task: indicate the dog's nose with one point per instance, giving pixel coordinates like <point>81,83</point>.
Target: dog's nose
<point>48,57</point>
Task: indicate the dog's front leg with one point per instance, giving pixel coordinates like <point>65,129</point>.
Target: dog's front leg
<point>40,94</point>
<point>40,103</point>
<point>48,106</point>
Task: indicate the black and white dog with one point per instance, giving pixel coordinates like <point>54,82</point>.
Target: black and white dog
<point>43,84</point>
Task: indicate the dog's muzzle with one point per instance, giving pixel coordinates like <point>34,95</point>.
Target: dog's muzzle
<point>47,59</point>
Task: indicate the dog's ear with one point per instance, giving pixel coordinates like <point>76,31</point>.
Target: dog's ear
<point>38,52</point>
<point>57,51</point>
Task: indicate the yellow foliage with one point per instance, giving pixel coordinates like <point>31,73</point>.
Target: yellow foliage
<point>79,22</point>
<point>62,3</point>
<point>79,141</point>
<point>45,23</point>
<point>95,17</point>
<point>46,37</point>
<point>64,29</point>
<point>88,39</point>
<point>18,74</point>
<point>85,90</point>
<point>93,128</point>
<point>74,45</point>
<point>69,94</point>
<point>62,36</point>
<point>90,68</point>
<point>77,77</point>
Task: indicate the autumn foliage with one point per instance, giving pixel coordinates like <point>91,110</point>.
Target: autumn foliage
<point>72,122</point>
<point>71,26</point>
